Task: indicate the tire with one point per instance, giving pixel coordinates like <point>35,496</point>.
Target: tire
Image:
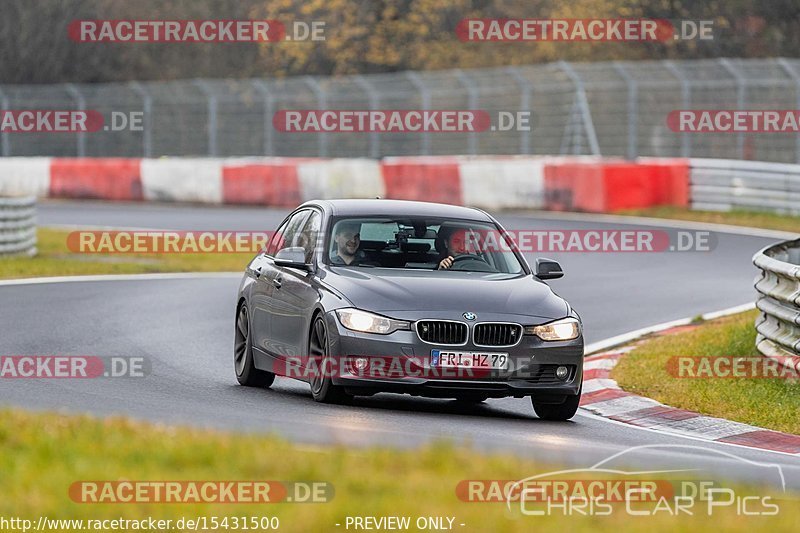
<point>246,372</point>
<point>322,388</point>
<point>561,411</point>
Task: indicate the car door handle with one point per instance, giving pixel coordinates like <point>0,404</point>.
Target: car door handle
<point>257,272</point>
<point>277,282</point>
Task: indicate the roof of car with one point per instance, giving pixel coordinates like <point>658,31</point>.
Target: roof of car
<point>378,207</point>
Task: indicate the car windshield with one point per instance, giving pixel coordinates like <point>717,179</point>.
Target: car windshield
<point>421,243</point>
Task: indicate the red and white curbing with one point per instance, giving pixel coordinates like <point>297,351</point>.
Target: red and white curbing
<point>604,397</point>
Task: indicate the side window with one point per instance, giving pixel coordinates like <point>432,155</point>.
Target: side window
<point>311,237</point>
<point>287,233</point>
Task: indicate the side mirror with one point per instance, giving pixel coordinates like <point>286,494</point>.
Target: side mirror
<point>292,257</point>
<point>548,269</point>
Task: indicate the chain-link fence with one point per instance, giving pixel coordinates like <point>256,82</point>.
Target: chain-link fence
<point>608,108</point>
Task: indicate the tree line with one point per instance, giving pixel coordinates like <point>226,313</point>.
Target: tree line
<point>363,36</point>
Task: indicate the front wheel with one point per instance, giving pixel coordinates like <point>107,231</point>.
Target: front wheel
<point>246,372</point>
<point>322,387</point>
<point>561,411</point>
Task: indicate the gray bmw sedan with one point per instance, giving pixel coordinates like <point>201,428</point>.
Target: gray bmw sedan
<point>358,297</point>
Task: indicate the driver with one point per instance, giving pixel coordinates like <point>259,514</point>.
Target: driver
<point>347,237</point>
<point>454,243</point>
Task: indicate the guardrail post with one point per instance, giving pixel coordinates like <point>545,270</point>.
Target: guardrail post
<point>525,90</point>
<point>374,104</point>
<point>269,112</point>
<point>473,94</point>
<point>796,78</point>
<point>212,116</point>
<point>582,106</point>
<point>147,108</point>
<point>322,103</point>
<point>740,99</point>
<point>4,141</point>
<point>633,109</point>
<point>80,101</point>
<point>425,95</point>
<point>686,99</point>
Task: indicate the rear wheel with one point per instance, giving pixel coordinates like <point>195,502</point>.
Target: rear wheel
<point>322,387</point>
<point>560,411</point>
<point>246,372</point>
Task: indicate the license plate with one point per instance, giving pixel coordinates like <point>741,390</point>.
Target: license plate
<point>451,359</point>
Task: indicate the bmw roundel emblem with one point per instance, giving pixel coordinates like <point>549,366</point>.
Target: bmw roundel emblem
<point>470,316</point>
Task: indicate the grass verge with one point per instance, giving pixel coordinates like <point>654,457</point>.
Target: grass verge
<point>767,403</point>
<point>753,219</point>
<point>55,259</point>
<point>41,455</point>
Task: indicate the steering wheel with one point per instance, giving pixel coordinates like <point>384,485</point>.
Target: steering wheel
<point>471,262</point>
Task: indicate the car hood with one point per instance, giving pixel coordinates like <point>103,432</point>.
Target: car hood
<point>407,293</point>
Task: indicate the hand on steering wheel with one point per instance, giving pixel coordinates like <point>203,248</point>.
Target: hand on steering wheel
<point>445,263</point>
<point>450,261</point>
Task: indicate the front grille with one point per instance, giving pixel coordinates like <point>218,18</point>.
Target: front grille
<point>497,334</point>
<point>442,332</point>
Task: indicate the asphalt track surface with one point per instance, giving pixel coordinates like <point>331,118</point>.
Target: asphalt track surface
<point>184,327</point>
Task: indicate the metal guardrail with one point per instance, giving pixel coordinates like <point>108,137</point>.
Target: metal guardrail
<point>727,184</point>
<point>778,325</point>
<point>18,226</point>
<point>616,109</point>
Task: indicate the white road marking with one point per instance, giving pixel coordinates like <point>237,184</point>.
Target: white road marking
<point>122,277</point>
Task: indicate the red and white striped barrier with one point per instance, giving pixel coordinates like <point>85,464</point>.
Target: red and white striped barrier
<point>489,182</point>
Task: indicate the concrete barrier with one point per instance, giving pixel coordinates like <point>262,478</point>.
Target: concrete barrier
<point>182,180</point>
<point>340,178</point>
<point>490,182</point>
<point>25,176</point>
<point>110,179</point>
<point>604,186</point>
<point>261,182</point>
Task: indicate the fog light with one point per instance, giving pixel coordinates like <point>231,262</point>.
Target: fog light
<point>562,372</point>
<point>361,363</point>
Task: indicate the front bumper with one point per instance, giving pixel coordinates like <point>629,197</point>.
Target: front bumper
<point>531,370</point>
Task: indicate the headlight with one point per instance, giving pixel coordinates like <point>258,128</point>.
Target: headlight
<point>565,329</point>
<point>358,320</point>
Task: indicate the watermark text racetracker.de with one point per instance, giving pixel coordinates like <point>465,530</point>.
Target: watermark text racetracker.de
<point>471,240</point>
<point>194,31</point>
<point>585,240</point>
<point>169,242</point>
<point>583,30</point>
<point>72,367</point>
<point>68,121</point>
<point>734,121</point>
<point>728,367</point>
<point>200,491</point>
<point>399,121</point>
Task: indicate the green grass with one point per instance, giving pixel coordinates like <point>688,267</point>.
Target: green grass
<point>55,259</point>
<point>754,219</point>
<point>41,455</point>
<point>767,403</point>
